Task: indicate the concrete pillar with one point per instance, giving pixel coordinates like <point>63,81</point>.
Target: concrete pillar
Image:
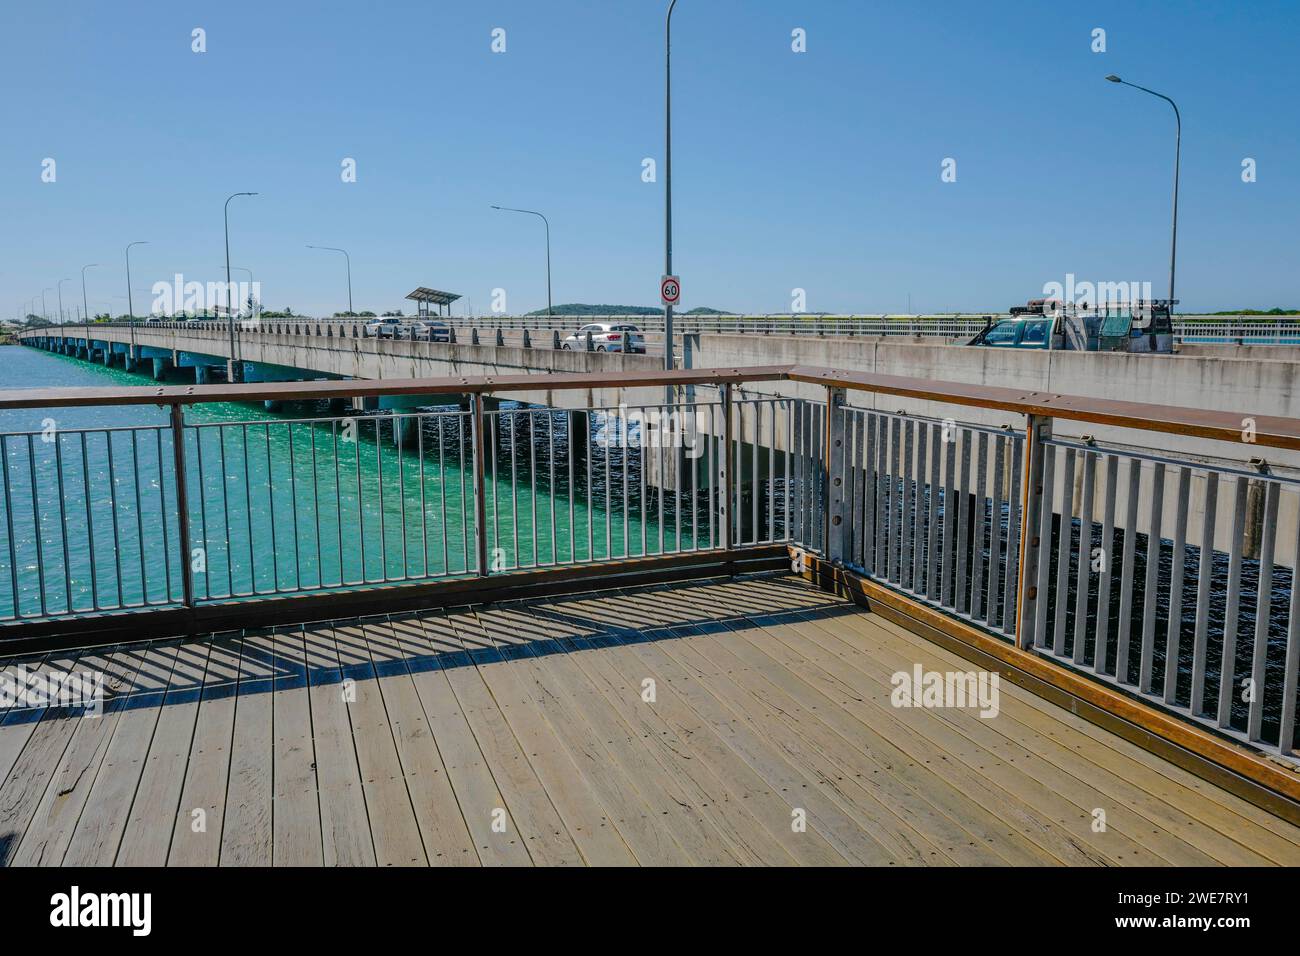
<point>160,366</point>
<point>202,375</point>
<point>234,371</point>
<point>107,355</point>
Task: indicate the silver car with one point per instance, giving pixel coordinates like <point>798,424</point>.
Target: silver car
<point>606,337</point>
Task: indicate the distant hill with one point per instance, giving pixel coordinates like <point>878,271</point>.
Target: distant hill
<point>1273,311</point>
<point>582,308</point>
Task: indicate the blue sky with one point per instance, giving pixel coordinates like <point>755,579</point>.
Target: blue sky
<point>816,170</point>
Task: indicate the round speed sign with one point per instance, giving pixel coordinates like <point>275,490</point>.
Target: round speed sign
<point>670,290</point>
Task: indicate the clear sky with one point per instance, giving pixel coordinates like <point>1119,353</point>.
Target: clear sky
<point>817,170</point>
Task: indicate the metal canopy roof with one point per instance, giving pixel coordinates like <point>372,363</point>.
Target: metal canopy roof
<point>425,294</point>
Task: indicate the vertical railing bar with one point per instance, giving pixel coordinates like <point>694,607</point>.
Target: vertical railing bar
<point>1088,462</point>
<point>63,525</point>
<point>981,463</point>
<point>573,527</point>
<point>895,540</point>
<point>203,511</point>
<point>162,512</point>
<point>933,561</point>
<point>662,478</point>
<point>591,504</point>
<point>516,558</point>
<point>1263,607</point>
<point>948,556</point>
<point>338,495</point>
<point>1228,661</point>
<point>493,420</point>
<point>462,419</point>
<point>1016,522</point>
<point>727,482</point>
<point>1291,664</point>
<point>1126,580</point>
<point>112,500</point>
<point>293,508</point>
<point>550,488</point>
<point>225,511</point>
<point>1204,591</point>
<point>609,491</point>
<point>961,597</point>
<point>754,483</point>
<point>479,467</point>
<point>1101,651</point>
<point>361,511</point>
<point>1152,580</point>
<point>139,517</point>
<point>789,458</point>
<point>182,501</point>
<point>622,460</point>
<point>315,505</point>
<point>771,475</point>
<point>9,524</point>
<point>994,593</point>
<point>906,521</point>
<point>1064,546</point>
<point>442,496</point>
<point>1044,547</point>
<point>919,507</point>
<point>270,492</point>
<point>643,437</point>
<point>737,476</point>
<point>1174,630</point>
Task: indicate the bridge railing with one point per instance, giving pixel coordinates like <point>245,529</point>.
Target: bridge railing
<point>1207,329</point>
<point>1169,577</point>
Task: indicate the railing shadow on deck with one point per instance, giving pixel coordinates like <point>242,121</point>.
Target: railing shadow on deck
<point>282,659</point>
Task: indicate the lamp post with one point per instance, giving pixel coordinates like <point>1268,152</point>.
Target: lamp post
<point>668,179</point>
<point>130,304</point>
<point>230,315</point>
<point>85,307</point>
<point>1178,145</point>
<point>349,264</point>
<point>44,312</point>
<point>547,224</point>
<point>60,287</point>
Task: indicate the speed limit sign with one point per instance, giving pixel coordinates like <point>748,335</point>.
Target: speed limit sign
<point>670,290</point>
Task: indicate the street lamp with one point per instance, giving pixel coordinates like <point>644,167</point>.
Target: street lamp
<point>349,262</point>
<point>85,308</point>
<point>130,304</point>
<point>1178,145</point>
<point>668,180</point>
<point>548,248</point>
<point>44,312</point>
<point>60,285</point>
<point>230,315</point>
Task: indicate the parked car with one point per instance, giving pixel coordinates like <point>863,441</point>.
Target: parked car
<point>428,330</point>
<point>606,337</point>
<point>384,328</point>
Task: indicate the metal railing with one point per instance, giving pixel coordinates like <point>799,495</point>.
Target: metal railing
<point>1242,330</point>
<point>1167,576</point>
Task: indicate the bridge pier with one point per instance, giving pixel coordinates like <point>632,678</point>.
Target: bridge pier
<point>160,367</point>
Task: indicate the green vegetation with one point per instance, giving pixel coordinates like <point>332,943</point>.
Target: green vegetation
<point>1259,312</point>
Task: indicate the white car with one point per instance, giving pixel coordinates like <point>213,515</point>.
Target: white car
<point>606,337</point>
<point>384,328</point>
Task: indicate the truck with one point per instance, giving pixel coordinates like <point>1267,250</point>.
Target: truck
<point>1144,325</point>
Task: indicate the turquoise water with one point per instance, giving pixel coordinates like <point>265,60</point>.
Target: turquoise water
<point>295,500</point>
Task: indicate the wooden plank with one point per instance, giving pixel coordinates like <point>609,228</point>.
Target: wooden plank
<point>745,764</point>
<point>29,756</point>
<point>246,831</point>
<point>447,840</point>
<point>17,723</point>
<point>467,770</point>
<point>743,836</point>
<point>154,810</point>
<point>200,813</point>
<point>661,827</point>
<point>103,821</point>
<point>587,821</point>
<point>1128,785</point>
<point>880,777</point>
<point>345,826</point>
<point>295,809</point>
<point>388,802</point>
<point>54,818</point>
<point>528,809</point>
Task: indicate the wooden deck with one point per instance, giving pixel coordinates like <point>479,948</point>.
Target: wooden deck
<point>523,734</point>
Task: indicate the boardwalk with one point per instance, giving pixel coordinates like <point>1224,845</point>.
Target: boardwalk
<point>729,721</point>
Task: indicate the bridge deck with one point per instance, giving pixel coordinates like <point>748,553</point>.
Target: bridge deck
<point>517,734</point>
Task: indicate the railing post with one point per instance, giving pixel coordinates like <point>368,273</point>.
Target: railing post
<point>834,525</point>
<point>480,505</point>
<point>726,479</point>
<point>182,503</point>
<point>1037,429</point>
